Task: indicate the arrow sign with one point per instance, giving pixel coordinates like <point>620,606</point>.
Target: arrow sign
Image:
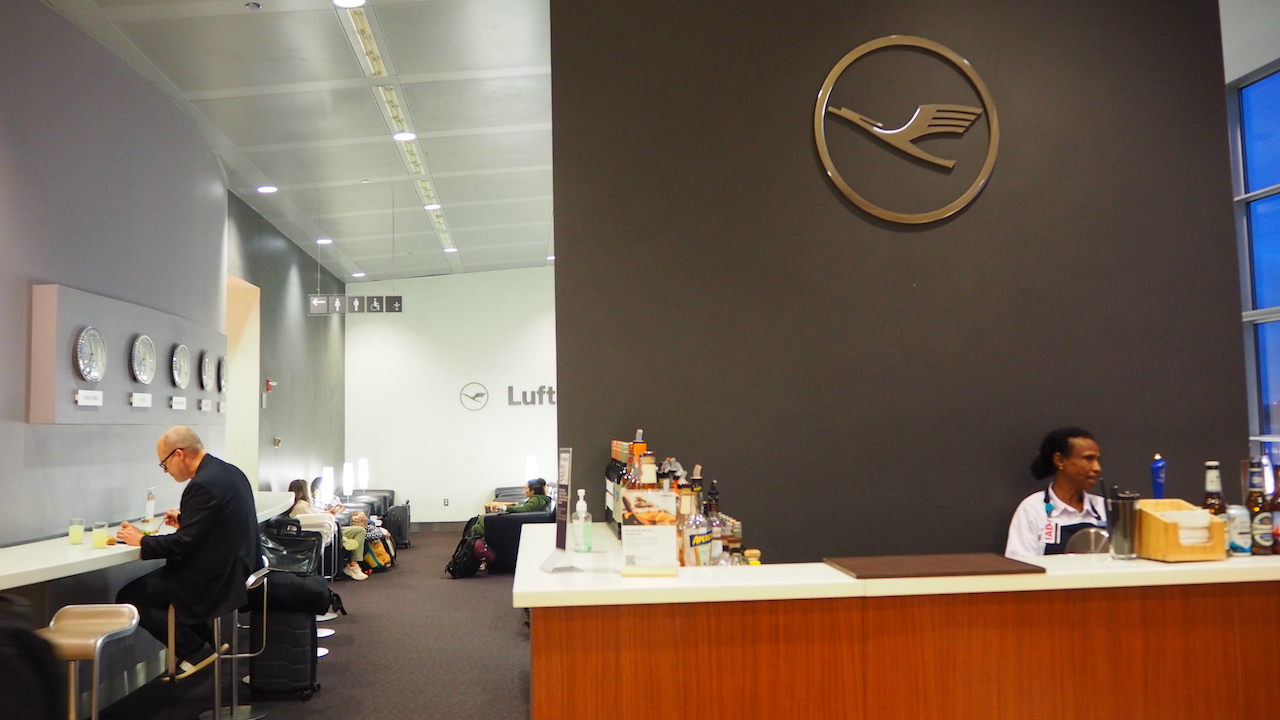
<point>319,304</point>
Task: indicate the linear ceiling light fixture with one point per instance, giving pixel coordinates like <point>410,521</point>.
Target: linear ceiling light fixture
<point>348,3</point>
<point>324,241</point>
<point>267,189</point>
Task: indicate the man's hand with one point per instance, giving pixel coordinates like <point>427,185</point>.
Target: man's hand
<point>130,534</point>
<point>171,518</point>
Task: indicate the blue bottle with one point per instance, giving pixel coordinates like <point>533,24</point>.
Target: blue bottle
<point>1157,478</point>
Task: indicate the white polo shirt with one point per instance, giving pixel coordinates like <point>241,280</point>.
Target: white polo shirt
<point>1031,524</point>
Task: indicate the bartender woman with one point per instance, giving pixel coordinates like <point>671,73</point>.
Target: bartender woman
<point>1046,520</point>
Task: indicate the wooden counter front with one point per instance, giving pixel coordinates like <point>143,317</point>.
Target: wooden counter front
<point>769,659</point>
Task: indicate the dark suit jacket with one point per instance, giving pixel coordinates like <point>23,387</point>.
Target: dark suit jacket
<point>216,547</point>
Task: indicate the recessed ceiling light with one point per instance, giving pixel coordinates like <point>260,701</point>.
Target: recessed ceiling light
<point>404,136</point>
<point>267,189</point>
<point>365,181</point>
<point>357,274</point>
<point>431,206</point>
<point>451,249</point>
<point>324,241</point>
<point>348,3</point>
<point>551,257</point>
<point>253,6</point>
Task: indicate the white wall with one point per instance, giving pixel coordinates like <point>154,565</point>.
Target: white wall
<point>405,373</point>
<point>1249,32</point>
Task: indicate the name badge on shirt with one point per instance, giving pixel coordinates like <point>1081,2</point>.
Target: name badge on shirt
<point>1052,533</point>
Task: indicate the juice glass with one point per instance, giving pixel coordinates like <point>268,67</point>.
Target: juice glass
<point>75,531</point>
<point>99,535</point>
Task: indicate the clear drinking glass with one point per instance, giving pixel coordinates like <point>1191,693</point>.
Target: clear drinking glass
<point>75,531</point>
<point>99,535</point>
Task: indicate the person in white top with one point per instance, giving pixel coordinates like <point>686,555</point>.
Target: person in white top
<point>1046,519</point>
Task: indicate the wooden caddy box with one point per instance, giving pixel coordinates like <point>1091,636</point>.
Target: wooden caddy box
<point>1158,538</point>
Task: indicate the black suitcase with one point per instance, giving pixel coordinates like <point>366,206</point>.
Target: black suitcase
<point>397,523</point>
<point>288,663</point>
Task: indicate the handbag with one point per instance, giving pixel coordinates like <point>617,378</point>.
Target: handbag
<point>291,549</point>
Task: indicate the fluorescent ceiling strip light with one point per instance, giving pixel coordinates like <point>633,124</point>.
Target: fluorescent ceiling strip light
<point>371,52</point>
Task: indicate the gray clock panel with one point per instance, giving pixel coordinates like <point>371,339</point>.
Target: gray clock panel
<point>58,315</point>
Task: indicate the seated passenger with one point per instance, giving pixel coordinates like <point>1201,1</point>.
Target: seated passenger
<point>536,492</point>
<point>352,538</point>
<point>1046,519</point>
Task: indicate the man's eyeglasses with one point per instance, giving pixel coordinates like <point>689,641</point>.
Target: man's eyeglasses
<point>165,462</point>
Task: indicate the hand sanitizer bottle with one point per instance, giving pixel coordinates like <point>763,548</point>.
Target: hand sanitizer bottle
<point>581,524</point>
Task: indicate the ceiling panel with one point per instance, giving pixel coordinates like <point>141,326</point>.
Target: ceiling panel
<point>247,50</point>
<point>453,35</point>
<point>354,197</point>
<point>378,224</point>
<point>499,213</point>
<point>494,185</point>
<point>533,235</point>
<point>407,266</point>
<point>328,164</point>
<point>500,151</point>
<point>481,103</point>
<point>314,116</point>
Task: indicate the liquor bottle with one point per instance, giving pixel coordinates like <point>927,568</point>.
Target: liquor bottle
<point>712,513</point>
<point>1259,510</point>
<point>694,533</point>
<point>648,472</point>
<point>1213,501</point>
<point>1274,507</point>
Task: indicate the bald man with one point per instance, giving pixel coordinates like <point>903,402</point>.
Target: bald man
<point>215,546</point>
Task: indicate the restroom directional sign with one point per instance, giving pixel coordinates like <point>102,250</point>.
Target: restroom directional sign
<point>354,304</point>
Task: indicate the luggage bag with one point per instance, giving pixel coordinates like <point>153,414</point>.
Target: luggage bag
<point>397,523</point>
<point>288,663</point>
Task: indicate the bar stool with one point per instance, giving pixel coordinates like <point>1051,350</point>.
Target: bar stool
<point>78,632</point>
<point>236,711</point>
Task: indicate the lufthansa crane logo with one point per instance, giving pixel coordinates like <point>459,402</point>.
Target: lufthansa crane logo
<point>929,120</point>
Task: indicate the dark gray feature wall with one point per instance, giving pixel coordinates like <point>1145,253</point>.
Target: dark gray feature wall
<point>303,354</point>
<point>105,187</point>
<point>866,388</point>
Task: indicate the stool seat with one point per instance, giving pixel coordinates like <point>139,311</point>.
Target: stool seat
<point>78,631</point>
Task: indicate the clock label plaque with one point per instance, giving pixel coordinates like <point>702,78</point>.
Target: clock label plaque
<point>140,400</point>
<point>178,403</point>
<point>89,398</point>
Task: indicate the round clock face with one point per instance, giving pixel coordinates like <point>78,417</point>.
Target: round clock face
<point>222,375</point>
<point>206,371</point>
<point>91,354</point>
<point>181,366</point>
<point>142,360</point>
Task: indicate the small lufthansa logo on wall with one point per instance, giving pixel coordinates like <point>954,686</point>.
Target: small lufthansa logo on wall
<point>474,396</point>
<point>929,120</point>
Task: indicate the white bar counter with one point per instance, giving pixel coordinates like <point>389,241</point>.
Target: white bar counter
<point>38,562</point>
<point>793,581</point>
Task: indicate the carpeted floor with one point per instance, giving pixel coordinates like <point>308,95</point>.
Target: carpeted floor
<point>416,644</point>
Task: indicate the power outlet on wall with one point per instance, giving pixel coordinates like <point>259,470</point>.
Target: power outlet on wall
<point>446,502</point>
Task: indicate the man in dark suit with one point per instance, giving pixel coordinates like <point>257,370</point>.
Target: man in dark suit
<point>214,548</point>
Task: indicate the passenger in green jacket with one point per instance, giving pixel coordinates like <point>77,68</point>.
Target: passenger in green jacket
<point>536,492</point>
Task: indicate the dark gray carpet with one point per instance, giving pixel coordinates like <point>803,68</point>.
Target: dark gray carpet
<point>416,644</point>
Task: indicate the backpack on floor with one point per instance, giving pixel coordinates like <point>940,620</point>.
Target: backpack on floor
<point>464,563</point>
<point>377,554</point>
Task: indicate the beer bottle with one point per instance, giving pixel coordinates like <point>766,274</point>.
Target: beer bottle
<point>1213,501</point>
<point>1259,510</point>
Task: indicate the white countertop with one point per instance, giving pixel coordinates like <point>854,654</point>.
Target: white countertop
<point>793,581</point>
<point>46,560</point>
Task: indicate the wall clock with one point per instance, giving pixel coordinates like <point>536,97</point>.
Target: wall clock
<point>181,366</point>
<point>142,359</point>
<point>206,371</point>
<point>91,354</point>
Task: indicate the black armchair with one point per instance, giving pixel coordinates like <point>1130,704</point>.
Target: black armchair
<point>502,535</point>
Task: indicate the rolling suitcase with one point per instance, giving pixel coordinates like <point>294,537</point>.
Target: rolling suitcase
<point>288,663</point>
<point>397,523</point>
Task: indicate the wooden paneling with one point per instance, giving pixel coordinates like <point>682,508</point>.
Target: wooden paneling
<point>783,659</point>
<point>1108,653</point>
